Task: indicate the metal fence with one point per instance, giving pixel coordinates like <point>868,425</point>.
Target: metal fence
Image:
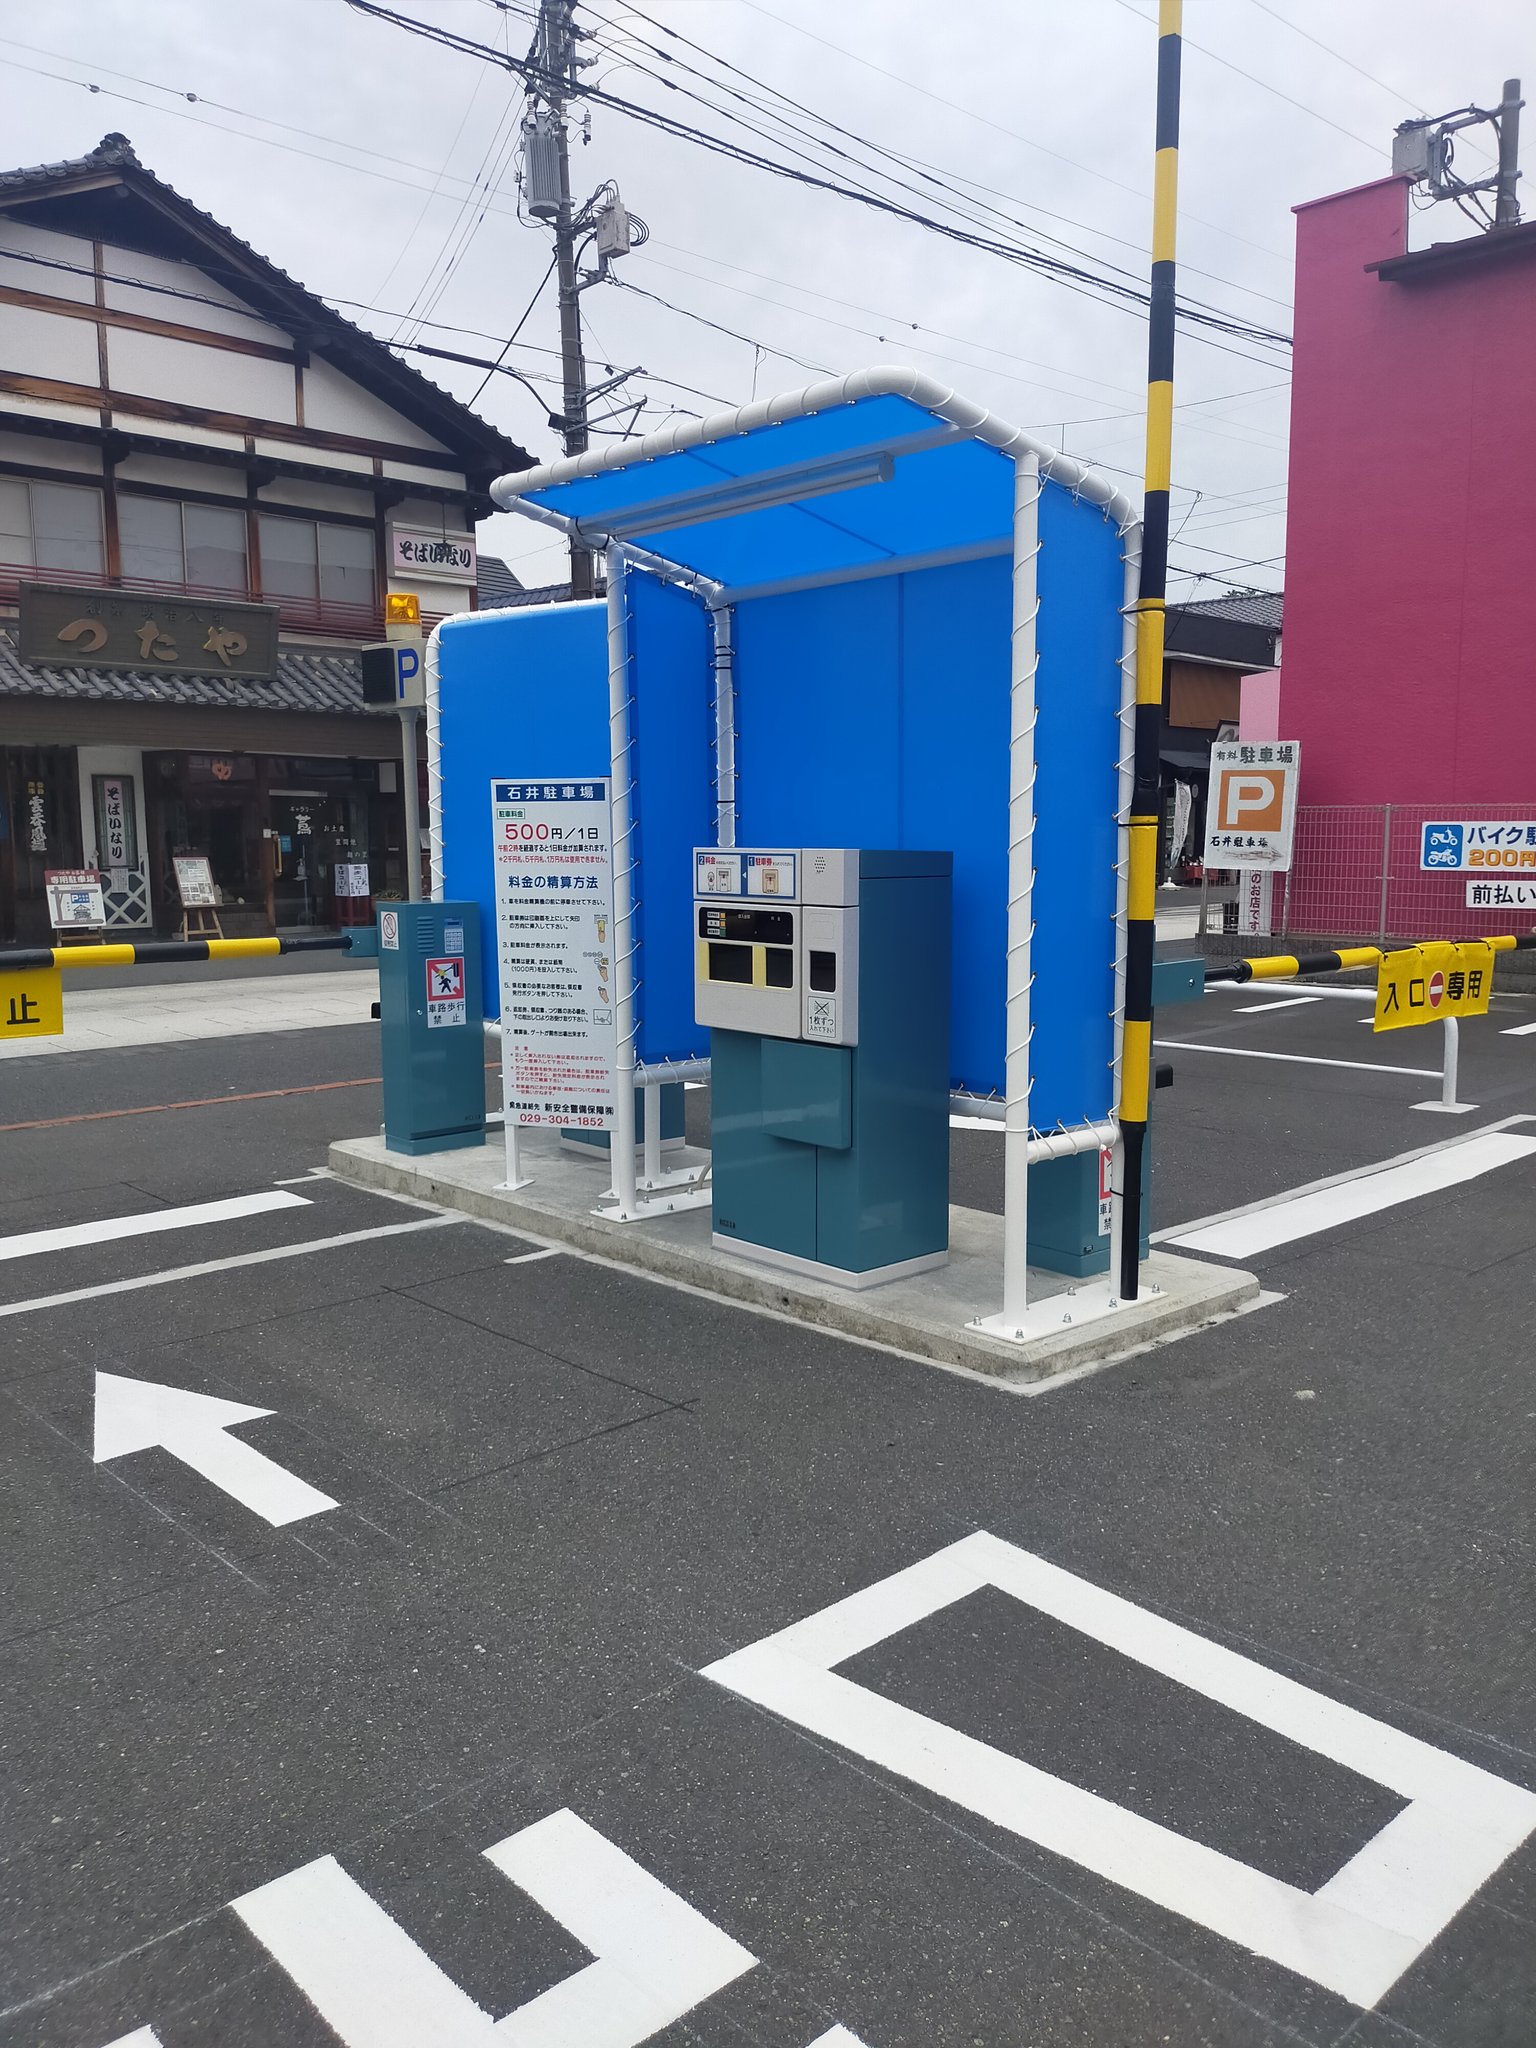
<point>1356,875</point>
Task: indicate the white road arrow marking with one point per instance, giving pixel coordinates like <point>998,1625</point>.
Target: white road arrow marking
<point>656,1957</point>
<point>146,2037</point>
<point>138,1415</point>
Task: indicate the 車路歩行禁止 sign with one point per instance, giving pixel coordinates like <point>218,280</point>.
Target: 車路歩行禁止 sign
<point>62,627</point>
<point>1250,815</point>
<point>1425,984</point>
<point>553,864</point>
<point>1474,845</point>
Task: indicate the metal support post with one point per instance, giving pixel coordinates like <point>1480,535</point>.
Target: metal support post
<point>651,1139</point>
<point>412,803</point>
<point>1447,1105</point>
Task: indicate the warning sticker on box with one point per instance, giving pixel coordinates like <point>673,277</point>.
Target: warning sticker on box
<point>445,992</point>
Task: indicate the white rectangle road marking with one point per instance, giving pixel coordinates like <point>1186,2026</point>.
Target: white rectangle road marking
<point>1518,1031</point>
<point>1273,1003</point>
<point>210,1266</point>
<point>1355,1935</point>
<point>1303,1215</point>
<point>1300,1059</point>
<point>28,1243</point>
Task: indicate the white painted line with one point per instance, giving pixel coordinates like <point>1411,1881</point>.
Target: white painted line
<point>1284,1003</point>
<point>1518,1031</point>
<point>1300,1059</point>
<point>1333,1180</point>
<point>656,1956</point>
<point>838,2037</point>
<point>140,1415</point>
<point>143,2037</point>
<point>1355,1936</point>
<point>548,1251</point>
<point>107,1228</point>
<point>977,1123</point>
<point>209,1266</point>
<point>1239,1237</point>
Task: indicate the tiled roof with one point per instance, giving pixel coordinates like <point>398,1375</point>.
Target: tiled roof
<point>495,582</point>
<point>1248,607</point>
<point>288,303</point>
<point>307,680</point>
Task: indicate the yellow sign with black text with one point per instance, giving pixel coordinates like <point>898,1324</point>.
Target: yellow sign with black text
<point>31,1003</point>
<point>1425,984</point>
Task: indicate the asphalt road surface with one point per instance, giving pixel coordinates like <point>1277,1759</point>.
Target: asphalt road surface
<point>436,1676</point>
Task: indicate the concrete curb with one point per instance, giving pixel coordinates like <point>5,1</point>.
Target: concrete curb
<point>923,1317</point>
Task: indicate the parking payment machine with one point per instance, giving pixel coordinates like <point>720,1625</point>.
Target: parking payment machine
<point>824,976</point>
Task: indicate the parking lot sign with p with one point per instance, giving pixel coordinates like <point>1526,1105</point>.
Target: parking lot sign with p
<point>1250,816</point>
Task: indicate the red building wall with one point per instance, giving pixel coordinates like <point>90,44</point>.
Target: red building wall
<point>1410,607</point>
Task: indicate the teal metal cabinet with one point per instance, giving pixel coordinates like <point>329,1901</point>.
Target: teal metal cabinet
<point>433,1027</point>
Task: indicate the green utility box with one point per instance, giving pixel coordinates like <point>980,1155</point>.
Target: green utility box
<point>824,974</point>
<point>433,1027</point>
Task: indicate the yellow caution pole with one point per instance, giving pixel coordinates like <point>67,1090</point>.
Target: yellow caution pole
<point>1146,790</point>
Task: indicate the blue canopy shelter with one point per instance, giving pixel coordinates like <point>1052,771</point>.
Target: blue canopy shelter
<point>919,635</point>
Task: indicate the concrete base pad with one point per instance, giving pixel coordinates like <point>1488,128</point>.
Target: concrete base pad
<point>926,1315</point>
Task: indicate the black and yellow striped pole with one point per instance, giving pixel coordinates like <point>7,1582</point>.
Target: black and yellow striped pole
<point>1146,789</point>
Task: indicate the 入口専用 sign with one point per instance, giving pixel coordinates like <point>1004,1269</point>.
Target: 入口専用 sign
<point>1467,845</point>
<point>1425,984</point>
<point>553,861</point>
<point>1250,815</point>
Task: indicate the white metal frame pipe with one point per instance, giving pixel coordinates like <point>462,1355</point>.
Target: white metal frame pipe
<point>723,665</point>
<point>621,1143</point>
<point>1024,662</point>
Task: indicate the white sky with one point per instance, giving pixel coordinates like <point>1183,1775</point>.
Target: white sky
<point>1047,104</point>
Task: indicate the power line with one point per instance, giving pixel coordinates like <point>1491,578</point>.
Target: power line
<point>973,114</point>
<point>1073,277</point>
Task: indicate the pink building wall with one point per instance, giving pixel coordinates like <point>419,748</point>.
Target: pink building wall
<point>1410,606</point>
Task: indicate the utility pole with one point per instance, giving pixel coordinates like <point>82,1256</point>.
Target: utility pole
<point>557,61</point>
<point>1506,206</point>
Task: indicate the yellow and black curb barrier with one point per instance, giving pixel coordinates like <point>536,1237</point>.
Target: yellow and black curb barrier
<point>1286,966</point>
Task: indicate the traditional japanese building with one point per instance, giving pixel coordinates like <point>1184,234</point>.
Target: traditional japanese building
<point>208,478</point>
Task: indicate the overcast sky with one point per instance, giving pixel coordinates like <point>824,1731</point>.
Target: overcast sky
<point>393,184</point>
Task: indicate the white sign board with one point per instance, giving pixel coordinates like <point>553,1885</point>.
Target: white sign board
<point>438,557</point>
<point>1254,899</point>
<point>1476,845</point>
<point>75,899</point>
<point>1501,895</point>
<point>194,881</point>
<point>115,800</point>
<point>553,859</point>
<point>1250,815</point>
<point>351,877</point>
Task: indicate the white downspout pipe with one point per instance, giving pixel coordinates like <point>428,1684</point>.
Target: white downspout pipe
<point>1021,882</point>
<point>723,660</point>
<point>621,813</point>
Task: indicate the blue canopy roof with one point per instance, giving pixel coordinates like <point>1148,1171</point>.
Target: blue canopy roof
<point>857,477</point>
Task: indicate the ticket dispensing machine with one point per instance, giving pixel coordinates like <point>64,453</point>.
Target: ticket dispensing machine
<point>823,974</point>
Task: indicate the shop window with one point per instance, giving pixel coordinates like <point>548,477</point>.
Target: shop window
<point>199,547</point>
<point>316,563</point>
<point>50,526</point>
